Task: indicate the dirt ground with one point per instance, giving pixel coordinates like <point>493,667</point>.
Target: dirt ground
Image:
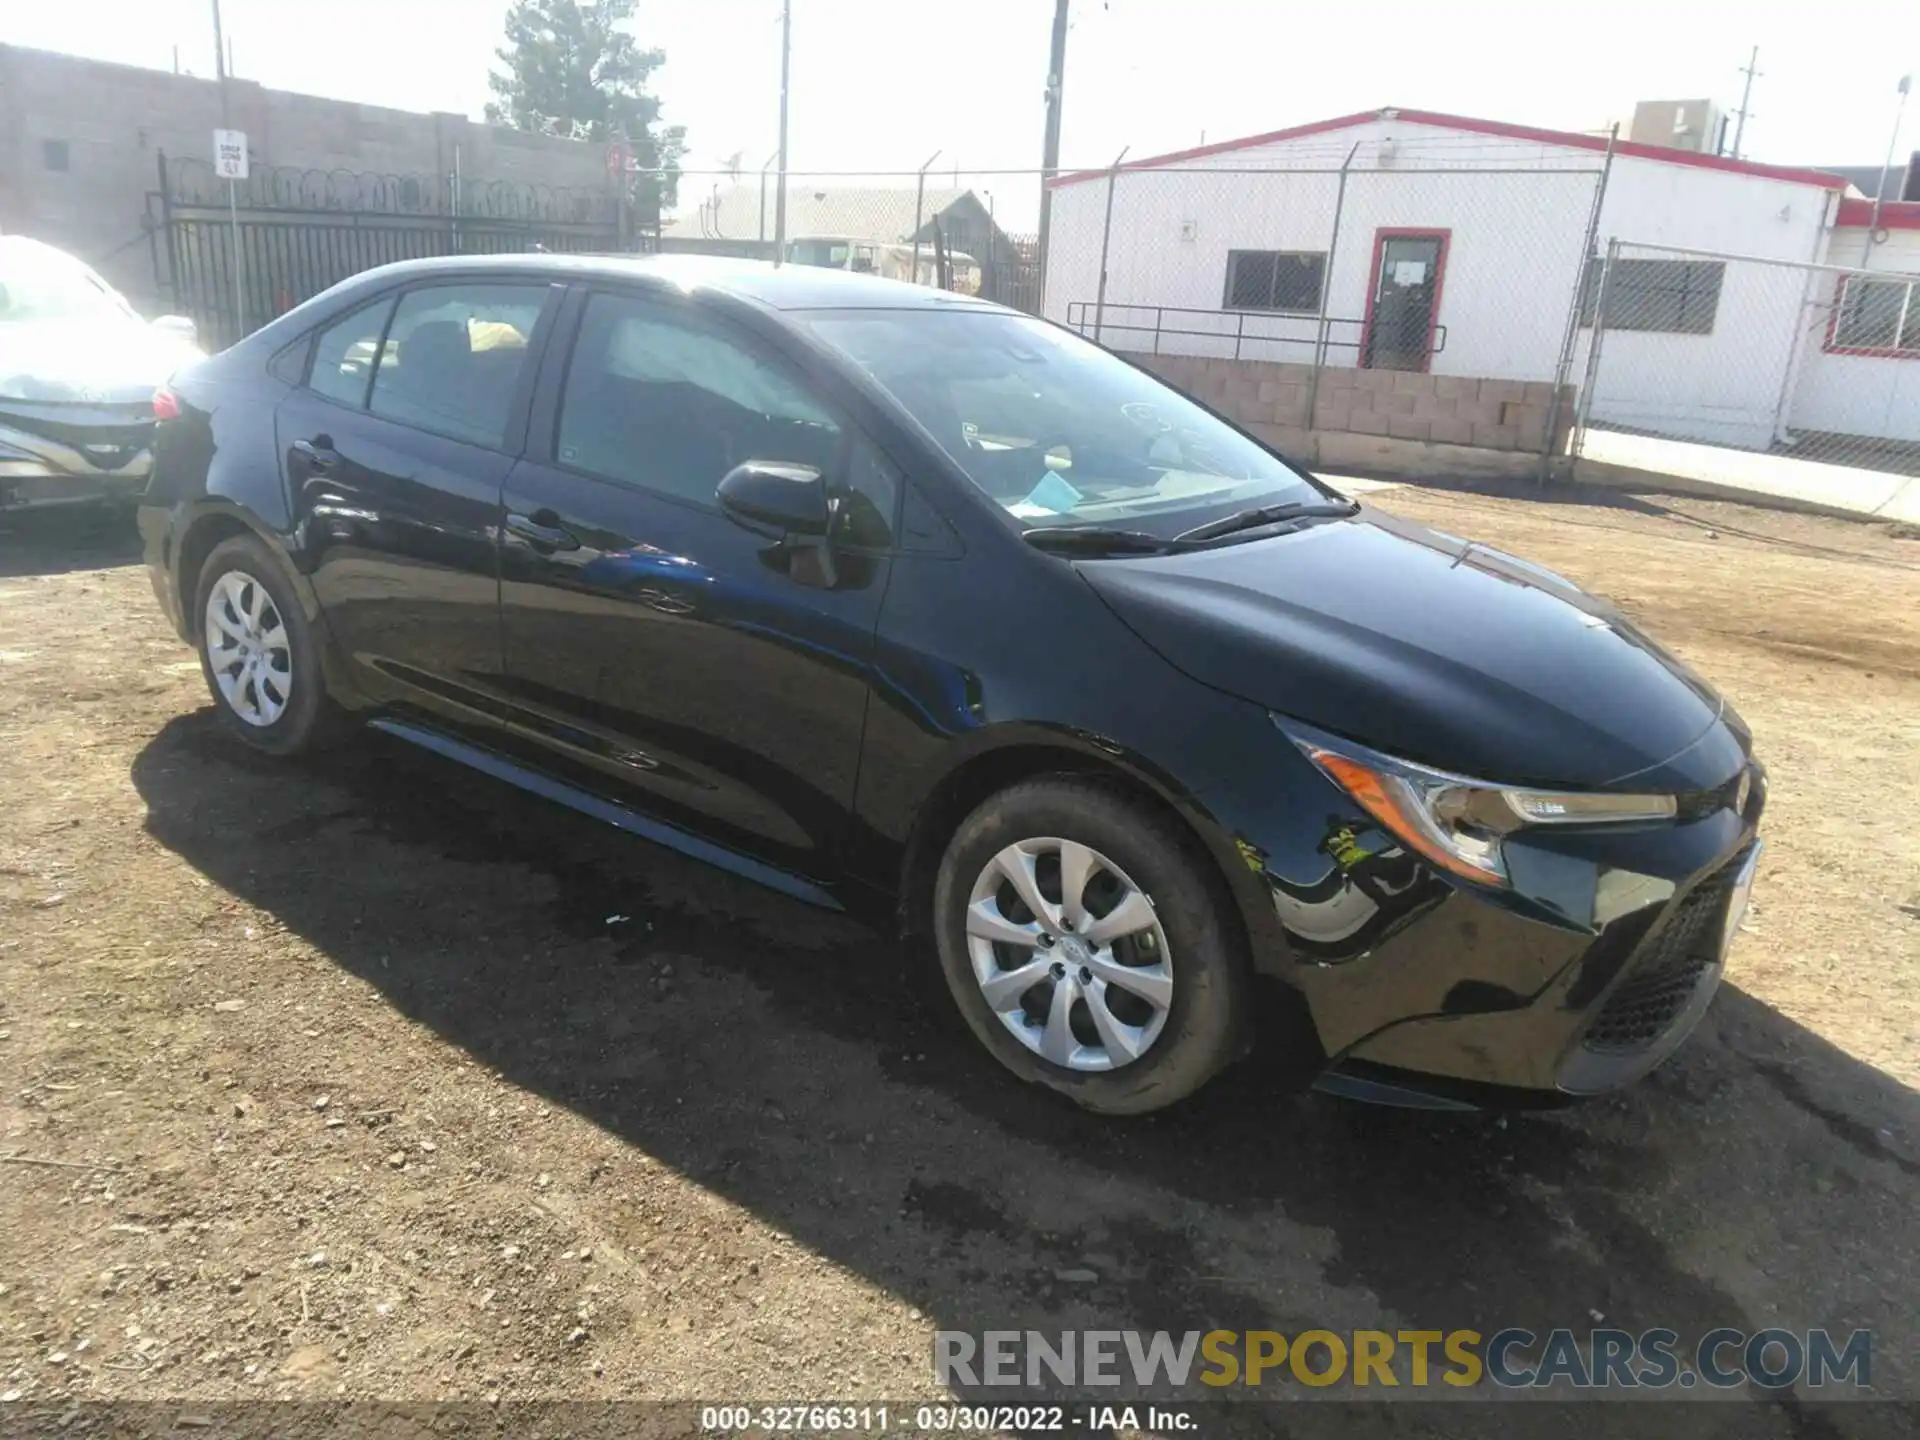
<point>372,1077</point>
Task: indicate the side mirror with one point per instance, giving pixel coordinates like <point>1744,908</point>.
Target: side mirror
<point>768,493</point>
<point>179,326</point>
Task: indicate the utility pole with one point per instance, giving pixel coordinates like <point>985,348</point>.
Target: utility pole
<point>220,58</point>
<point>1752,72</point>
<point>233,189</point>
<point>1050,147</point>
<point>780,194</point>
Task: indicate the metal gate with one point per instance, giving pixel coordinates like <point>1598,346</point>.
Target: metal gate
<point>234,259</point>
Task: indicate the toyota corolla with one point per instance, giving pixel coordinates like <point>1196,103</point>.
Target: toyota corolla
<point>914,606</point>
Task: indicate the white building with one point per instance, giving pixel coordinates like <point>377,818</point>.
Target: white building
<point>1420,242</point>
<point>1867,382</point>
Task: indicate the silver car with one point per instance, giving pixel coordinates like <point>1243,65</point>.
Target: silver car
<point>78,369</point>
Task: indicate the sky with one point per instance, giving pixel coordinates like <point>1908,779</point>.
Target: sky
<point>883,84</point>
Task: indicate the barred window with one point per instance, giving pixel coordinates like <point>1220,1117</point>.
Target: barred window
<point>1681,297</point>
<point>1288,280</point>
<point>1878,315</point>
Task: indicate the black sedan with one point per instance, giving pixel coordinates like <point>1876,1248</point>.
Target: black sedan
<point>907,604</point>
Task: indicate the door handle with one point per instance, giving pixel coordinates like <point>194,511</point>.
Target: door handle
<point>317,452</point>
<point>552,537</point>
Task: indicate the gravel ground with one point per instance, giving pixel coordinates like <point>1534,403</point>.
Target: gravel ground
<point>370,1077</point>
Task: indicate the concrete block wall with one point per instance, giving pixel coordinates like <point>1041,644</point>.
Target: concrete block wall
<point>1403,405</point>
<point>114,120</point>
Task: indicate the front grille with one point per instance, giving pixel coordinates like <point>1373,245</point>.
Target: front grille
<point>105,447</point>
<point>1667,972</point>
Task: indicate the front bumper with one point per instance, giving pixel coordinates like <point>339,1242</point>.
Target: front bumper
<point>1617,1008</point>
<point>1585,975</point>
<point>43,491</point>
<point>77,466</point>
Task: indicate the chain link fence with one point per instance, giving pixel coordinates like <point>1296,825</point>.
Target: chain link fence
<point>1457,295</point>
<point>1695,352</point>
<point>1360,296</point>
<point>972,231</point>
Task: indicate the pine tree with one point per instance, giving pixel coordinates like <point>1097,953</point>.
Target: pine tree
<point>573,70</point>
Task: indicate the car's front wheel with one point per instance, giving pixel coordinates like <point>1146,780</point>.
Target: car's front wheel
<point>258,652</point>
<point>1087,945</point>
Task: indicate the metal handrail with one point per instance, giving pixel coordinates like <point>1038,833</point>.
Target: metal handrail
<point>1080,315</point>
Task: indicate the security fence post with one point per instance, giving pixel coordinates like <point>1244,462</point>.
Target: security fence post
<point>1326,289</point>
<point>1571,338</point>
<point>1106,235</point>
<point>1585,410</point>
<point>919,204</point>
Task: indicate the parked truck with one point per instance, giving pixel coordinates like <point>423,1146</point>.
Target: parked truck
<point>890,261</point>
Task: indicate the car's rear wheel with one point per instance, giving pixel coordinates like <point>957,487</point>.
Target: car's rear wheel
<point>258,652</point>
<point>1085,940</point>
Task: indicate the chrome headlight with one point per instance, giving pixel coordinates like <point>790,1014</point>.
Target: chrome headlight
<point>1459,823</point>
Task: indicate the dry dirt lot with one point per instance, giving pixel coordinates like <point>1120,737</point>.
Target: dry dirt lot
<point>371,1077</point>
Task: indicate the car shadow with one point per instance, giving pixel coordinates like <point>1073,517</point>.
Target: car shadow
<point>65,538</point>
<point>810,1071</point>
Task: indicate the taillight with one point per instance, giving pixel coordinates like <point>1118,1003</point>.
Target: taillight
<point>166,405</point>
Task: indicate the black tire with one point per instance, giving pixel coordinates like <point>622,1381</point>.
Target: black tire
<point>1205,1025</point>
<point>310,718</point>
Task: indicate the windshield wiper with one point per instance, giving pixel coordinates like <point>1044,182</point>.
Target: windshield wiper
<point>1265,515</point>
<point>1097,540</point>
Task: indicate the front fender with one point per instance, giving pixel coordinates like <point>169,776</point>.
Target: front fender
<point>994,756</point>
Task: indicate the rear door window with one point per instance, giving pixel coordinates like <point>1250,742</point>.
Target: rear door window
<point>453,358</point>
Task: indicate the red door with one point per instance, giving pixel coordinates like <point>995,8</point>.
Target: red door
<point>1403,301</point>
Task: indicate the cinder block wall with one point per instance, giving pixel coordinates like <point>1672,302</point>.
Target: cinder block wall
<point>1440,409</point>
<point>112,122</point>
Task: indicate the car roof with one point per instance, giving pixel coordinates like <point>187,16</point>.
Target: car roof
<point>777,287</point>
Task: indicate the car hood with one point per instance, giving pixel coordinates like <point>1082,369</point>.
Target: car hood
<point>89,362</point>
<point>1424,646</point>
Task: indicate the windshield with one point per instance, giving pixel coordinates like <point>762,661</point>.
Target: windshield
<point>1055,430</point>
<point>37,284</point>
<point>830,254</point>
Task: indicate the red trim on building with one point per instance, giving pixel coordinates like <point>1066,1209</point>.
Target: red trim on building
<point>1380,238</point>
<point>1568,138</point>
<point>1894,214</point>
<point>1295,132</point>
